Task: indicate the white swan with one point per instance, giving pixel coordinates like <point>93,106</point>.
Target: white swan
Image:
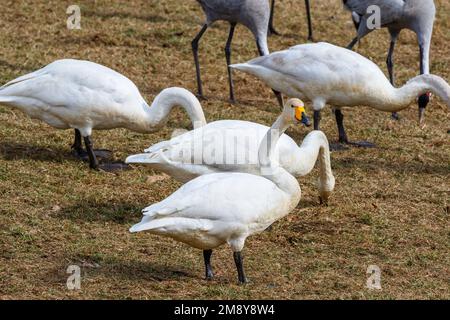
<point>84,96</point>
<point>220,208</point>
<point>232,145</point>
<point>323,73</point>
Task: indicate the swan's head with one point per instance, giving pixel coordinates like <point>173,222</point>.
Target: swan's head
<point>295,109</point>
<point>423,101</point>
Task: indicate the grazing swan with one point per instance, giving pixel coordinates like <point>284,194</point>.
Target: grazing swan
<point>415,15</point>
<point>84,95</point>
<point>323,73</point>
<point>232,145</point>
<point>227,207</point>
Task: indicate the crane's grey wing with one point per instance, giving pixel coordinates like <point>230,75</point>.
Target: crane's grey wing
<point>221,7</point>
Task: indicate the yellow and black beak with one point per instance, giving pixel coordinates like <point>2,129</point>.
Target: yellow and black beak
<point>300,115</point>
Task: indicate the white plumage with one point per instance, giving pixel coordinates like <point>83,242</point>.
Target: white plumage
<point>84,96</point>
<point>220,208</point>
<point>237,142</point>
<point>326,74</point>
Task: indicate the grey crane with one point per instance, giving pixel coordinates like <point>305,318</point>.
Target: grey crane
<point>415,15</point>
<point>308,14</point>
<point>254,14</point>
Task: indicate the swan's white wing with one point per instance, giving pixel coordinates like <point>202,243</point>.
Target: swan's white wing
<point>319,71</point>
<point>75,93</point>
<point>228,145</point>
<point>225,197</point>
<point>73,83</point>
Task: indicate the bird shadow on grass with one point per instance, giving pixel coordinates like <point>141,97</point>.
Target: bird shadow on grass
<point>146,270</point>
<point>119,269</point>
<point>91,210</point>
<point>376,164</point>
<point>124,15</point>
<point>11,151</point>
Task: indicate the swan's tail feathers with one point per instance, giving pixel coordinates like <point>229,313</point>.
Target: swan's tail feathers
<point>7,99</point>
<point>259,68</point>
<point>23,78</point>
<point>147,158</point>
<point>246,67</point>
<point>176,226</point>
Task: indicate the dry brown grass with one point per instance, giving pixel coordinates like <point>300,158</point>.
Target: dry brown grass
<point>390,208</point>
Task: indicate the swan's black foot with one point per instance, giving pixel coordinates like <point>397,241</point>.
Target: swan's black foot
<point>337,146</point>
<point>232,101</point>
<point>100,153</point>
<point>209,276</point>
<point>114,167</point>
<point>323,202</point>
<point>362,144</point>
<point>201,97</point>
<point>395,116</point>
<point>273,32</point>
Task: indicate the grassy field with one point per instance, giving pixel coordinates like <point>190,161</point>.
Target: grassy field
<point>390,207</point>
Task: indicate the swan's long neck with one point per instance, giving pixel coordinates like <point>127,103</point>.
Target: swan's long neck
<point>401,98</point>
<point>157,114</point>
<point>270,169</point>
<point>315,147</point>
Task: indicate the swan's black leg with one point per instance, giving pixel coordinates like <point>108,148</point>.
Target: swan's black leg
<point>228,57</point>
<point>208,269</point>
<point>390,67</point>
<point>77,147</point>
<point>343,135</point>
<point>317,118</point>
<point>240,267</point>
<point>308,14</point>
<point>93,161</point>
<point>79,152</point>
<point>197,64</point>
<point>271,27</point>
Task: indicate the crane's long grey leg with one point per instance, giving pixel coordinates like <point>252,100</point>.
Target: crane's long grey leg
<point>343,135</point>
<point>271,27</point>
<point>390,66</point>
<point>197,64</point>
<point>425,98</point>
<point>240,267</point>
<point>352,43</point>
<point>208,269</point>
<point>228,57</point>
<point>308,14</point>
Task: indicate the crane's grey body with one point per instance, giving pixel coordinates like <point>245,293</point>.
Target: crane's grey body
<point>396,15</point>
<point>254,14</point>
<point>308,15</point>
